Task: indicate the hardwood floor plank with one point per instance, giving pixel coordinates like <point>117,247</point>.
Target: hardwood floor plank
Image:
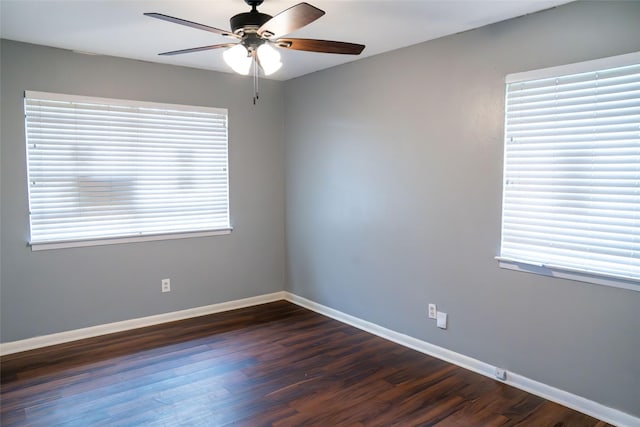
<point>271,365</point>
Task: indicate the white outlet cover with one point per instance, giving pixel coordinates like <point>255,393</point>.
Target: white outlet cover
<point>501,374</point>
<point>441,320</point>
<point>432,311</point>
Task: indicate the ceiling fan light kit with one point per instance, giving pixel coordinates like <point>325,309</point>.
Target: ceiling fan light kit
<point>257,33</point>
<point>269,59</point>
<point>238,58</point>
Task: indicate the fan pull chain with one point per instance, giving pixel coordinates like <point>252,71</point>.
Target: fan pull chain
<point>256,81</point>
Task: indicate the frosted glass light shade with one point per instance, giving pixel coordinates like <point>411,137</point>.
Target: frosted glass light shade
<point>269,59</point>
<point>238,59</point>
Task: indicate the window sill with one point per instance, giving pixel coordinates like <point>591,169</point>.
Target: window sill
<point>129,239</point>
<point>561,273</point>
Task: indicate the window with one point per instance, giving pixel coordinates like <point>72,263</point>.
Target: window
<point>571,196</point>
<point>108,170</point>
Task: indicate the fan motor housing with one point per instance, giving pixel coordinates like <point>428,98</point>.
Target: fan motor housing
<point>248,22</point>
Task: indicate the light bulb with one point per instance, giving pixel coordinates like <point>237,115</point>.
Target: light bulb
<point>238,59</point>
<point>269,59</point>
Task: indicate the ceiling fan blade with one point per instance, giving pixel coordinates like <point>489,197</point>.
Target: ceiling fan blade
<point>197,49</point>
<point>290,20</point>
<point>191,24</point>
<point>324,46</point>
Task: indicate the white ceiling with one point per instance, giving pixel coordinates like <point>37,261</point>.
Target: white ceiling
<point>119,28</point>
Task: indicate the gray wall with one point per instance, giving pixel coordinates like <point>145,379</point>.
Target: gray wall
<point>393,201</point>
<point>393,187</point>
<point>58,290</point>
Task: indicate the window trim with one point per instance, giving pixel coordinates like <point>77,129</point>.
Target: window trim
<point>566,273</point>
<point>131,238</point>
<point>553,270</point>
<point>579,67</point>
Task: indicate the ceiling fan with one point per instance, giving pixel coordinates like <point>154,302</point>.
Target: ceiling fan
<point>256,34</point>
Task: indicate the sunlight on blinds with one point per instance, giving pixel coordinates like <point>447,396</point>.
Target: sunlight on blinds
<point>572,172</point>
<point>102,168</point>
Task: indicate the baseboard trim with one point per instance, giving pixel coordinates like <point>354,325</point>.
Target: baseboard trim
<point>581,404</point>
<point>125,325</point>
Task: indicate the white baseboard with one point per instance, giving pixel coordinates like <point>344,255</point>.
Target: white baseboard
<point>586,406</point>
<point>125,325</point>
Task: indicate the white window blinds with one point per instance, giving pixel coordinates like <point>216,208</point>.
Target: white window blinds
<point>571,195</point>
<point>105,168</point>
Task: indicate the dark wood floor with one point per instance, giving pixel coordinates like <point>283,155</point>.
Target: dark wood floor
<point>275,364</point>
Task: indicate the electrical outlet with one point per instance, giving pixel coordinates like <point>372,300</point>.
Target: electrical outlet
<point>501,374</point>
<point>432,311</point>
<point>166,285</point>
